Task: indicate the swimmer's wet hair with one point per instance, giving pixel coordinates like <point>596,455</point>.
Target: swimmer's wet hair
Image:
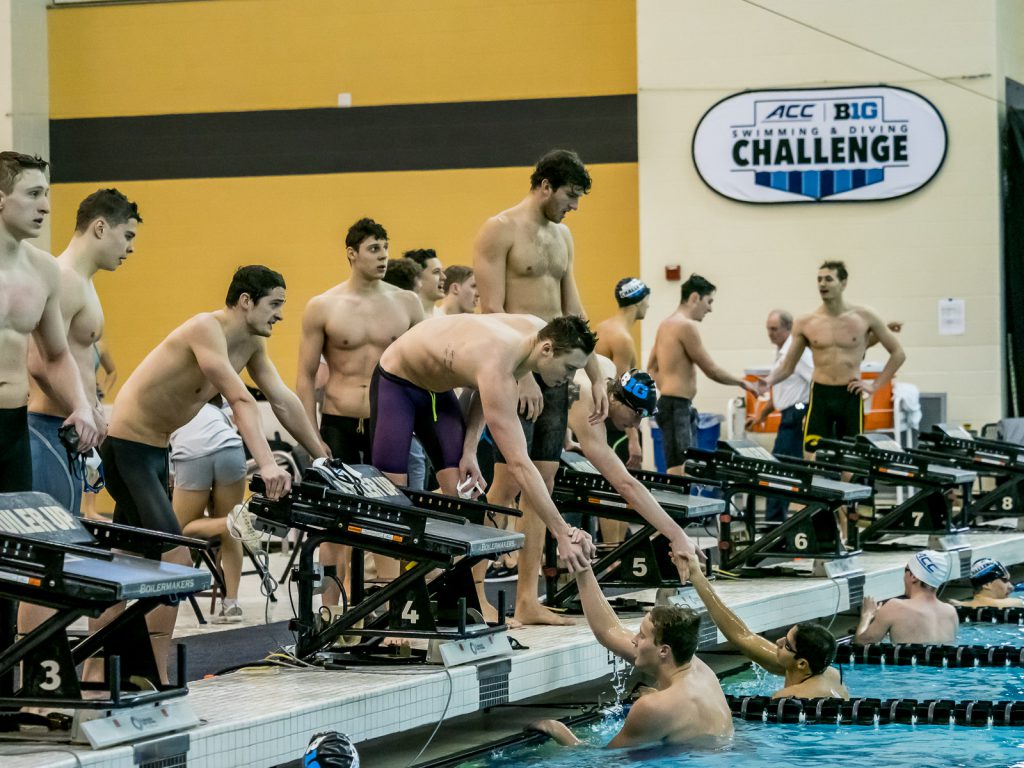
<point>816,646</point>
<point>561,167</point>
<point>456,274</point>
<point>402,273</point>
<point>836,266</point>
<point>676,626</point>
<point>255,280</point>
<point>568,333</point>
<point>363,229</point>
<point>108,204</point>
<point>13,164</point>
<point>696,284</point>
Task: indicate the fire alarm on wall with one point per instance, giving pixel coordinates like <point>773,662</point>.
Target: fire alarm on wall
<point>673,272</point>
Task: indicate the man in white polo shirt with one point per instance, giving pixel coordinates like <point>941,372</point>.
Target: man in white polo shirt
<point>789,398</point>
<point>919,618</point>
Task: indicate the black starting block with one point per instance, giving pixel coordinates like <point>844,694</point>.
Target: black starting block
<point>357,505</point>
<point>743,467</point>
<point>642,560</point>
<point>1001,462</point>
<point>50,558</point>
<point>928,510</point>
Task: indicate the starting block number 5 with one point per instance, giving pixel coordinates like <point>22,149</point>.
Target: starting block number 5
<point>639,566</point>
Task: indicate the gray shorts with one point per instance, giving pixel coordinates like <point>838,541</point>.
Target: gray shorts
<point>677,419</point>
<point>222,467</point>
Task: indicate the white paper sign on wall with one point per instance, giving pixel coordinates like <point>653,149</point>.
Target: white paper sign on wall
<point>811,145</point>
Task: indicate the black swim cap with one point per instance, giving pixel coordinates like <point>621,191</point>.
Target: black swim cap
<point>330,750</point>
<point>631,290</point>
<point>637,390</point>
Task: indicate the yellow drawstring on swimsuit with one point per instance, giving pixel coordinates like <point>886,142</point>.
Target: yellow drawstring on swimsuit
<point>433,405</point>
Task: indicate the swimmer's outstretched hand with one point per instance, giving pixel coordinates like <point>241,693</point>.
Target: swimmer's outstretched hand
<point>760,386</point>
<point>600,412</point>
<point>556,730</point>
<point>576,548</point>
<point>531,399</point>
<point>277,481</point>
<point>868,607</point>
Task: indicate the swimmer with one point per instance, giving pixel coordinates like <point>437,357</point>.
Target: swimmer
<point>922,617</point>
<point>687,705</point>
<point>198,359</point>
<point>460,293</point>
<point>631,398</point>
<point>677,353</point>
<point>838,335</point>
<point>992,586</point>
<point>523,261</point>
<point>349,326</point>
<point>104,237</point>
<point>803,656</point>
<point>431,287</point>
<point>412,388</point>
<point>615,342</point>
<point>30,307</point>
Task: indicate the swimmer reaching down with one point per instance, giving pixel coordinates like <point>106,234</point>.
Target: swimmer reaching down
<point>687,705</point>
<point>803,656</point>
<point>411,392</point>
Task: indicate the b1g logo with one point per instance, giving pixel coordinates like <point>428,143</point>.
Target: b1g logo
<point>820,145</point>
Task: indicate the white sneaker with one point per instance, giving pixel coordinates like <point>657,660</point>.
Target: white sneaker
<point>229,615</point>
<point>240,527</point>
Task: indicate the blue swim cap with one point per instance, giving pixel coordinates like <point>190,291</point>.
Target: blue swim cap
<point>330,750</point>
<point>637,389</point>
<point>631,290</point>
<point>985,569</point>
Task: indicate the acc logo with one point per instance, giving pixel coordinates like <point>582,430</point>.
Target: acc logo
<point>927,563</point>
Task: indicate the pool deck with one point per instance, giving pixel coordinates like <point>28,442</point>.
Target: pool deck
<point>265,717</point>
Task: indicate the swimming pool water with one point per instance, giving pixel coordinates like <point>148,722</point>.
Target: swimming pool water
<point>990,634</point>
<point>790,746</point>
<point>891,682</point>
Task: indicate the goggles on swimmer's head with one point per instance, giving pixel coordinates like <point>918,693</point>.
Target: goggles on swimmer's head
<point>986,570</point>
<point>637,389</point>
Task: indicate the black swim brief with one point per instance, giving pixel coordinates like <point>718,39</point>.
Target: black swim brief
<point>15,451</point>
<point>677,419</point>
<point>347,437</point>
<point>136,476</point>
<point>833,412</point>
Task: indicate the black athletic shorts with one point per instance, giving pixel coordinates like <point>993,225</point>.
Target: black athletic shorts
<point>136,476</point>
<point>545,437</point>
<point>677,419</point>
<point>15,451</point>
<point>618,440</point>
<point>833,412</point>
<point>348,438</point>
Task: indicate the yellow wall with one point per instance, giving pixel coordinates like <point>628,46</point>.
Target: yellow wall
<point>238,55</point>
<point>197,231</point>
<point>903,255</point>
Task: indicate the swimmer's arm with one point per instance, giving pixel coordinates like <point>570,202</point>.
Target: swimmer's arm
<point>490,263</point>
<point>571,302</point>
<point>286,404</point>
<point>414,307</point>
<point>689,337</point>
<point>646,723</point>
<point>499,395</point>
<point>474,422</point>
<point>892,345</point>
<point>750,644</point>
<point>875,623</point>
<point>56,363</point>
<point>311,345</point>
<point>206,341</point>
<point>605,625</point>
<point>594,442</point>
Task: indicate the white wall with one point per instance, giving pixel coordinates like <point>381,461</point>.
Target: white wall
<point>904,254</point>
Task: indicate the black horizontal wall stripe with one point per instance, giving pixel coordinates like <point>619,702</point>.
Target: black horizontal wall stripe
<point>408,137</point>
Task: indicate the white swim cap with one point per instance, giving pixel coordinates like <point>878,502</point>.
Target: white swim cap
<point>931,567</point>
